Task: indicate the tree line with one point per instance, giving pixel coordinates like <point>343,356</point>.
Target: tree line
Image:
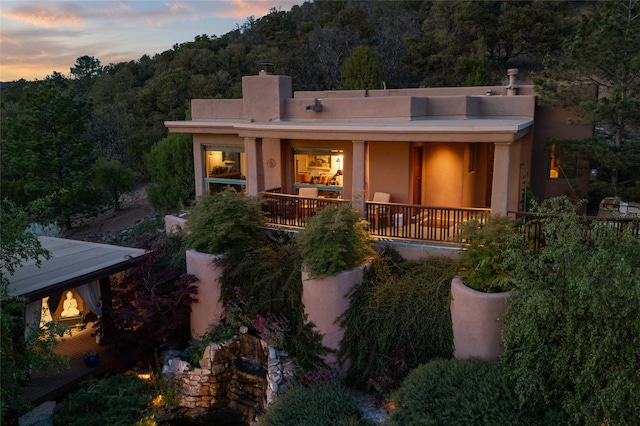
<point>55,130</point>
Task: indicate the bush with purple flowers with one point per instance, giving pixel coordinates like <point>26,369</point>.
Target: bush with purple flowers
<point>272,329</point>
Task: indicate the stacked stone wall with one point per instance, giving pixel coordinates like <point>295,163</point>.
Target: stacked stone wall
<point>243,375</point>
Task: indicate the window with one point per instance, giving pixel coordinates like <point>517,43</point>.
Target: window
<point>225,166</point>
<point>562,165</point>
<point>319,168</point>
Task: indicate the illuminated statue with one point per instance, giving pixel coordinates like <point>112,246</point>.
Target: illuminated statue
<point>70,307</point>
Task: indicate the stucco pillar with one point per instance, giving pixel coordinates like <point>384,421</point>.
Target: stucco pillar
<point>255,169</point>
<point>198,167</point>
<point>501,173</point>
<point>359,175</point>
<point>272,163</point>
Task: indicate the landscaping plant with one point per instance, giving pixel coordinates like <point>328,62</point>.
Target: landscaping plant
<point>335,240</point>
<point>19,354</point>
<point>461,393</point>
<point>117,400</point>
<point>170,167</point>
<point>224,222</point>
<point>572,334</point>
<point>397,319</point>
<point>322,405</point>
<point>266,282</point>
<point>151,302</point>
<point>484,265</point>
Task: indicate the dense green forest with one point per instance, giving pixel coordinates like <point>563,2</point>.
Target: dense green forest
<point>56,129</point>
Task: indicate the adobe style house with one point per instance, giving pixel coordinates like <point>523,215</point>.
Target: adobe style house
<point>470,148</point>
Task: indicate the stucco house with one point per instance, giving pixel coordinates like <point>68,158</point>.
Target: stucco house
<point>464,149</point>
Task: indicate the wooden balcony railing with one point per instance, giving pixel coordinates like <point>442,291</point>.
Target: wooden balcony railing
<point>292,210</point>
<point>426,223</point>
<point>407,221</point>
<point>532,224</point>
<point>419,222</point>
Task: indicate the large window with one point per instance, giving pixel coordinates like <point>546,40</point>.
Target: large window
<point>562,164</point>
<point>225,166</point>
<point>319,168</point>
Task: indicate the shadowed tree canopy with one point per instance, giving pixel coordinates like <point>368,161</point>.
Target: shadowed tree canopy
<point>603,55</point>
<point>362,70</point>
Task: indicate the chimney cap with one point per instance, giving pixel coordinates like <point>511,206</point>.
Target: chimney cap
<point>267,68</point>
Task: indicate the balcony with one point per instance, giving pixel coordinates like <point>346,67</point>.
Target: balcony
<point>386,220</point>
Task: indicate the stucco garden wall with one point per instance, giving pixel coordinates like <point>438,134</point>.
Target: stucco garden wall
<point>477,320</point>
<point>208,309</point>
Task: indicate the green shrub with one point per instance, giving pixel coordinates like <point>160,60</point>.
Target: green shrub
<point>397,318</point>
<point>170,167</point>
<point>224,222</point>
<point>267,279</point>
<point>573,333</point>
<point>114,178</point>
<point>117,400</point>
<point>484,260</point>
<point>335,240</point>
<point>457,392</point>
<point>327,404</point>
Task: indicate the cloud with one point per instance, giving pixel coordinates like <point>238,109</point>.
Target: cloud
<point>48,15</point>
<point>170,12</point>
<point>42,36</point>
<point>245,8</point>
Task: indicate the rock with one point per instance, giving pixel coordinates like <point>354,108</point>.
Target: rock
<point>42,415</point>
<point>195,414</point>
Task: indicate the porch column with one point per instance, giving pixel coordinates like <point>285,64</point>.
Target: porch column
<point>255,169</point>
<point>271,152</point>
<point>501,172</point>
<point>359,176</point>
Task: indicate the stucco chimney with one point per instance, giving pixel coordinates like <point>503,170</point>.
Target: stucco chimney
<point>263,96</point>
<point>512,88</point>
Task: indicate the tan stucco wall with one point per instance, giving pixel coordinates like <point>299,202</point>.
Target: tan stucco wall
<point>442,175</point>
<point>204,109</point>
<point>390,170</point>
<point>325,299</point>
<point>474,190</point>
<point>477,320</point>
<point>206,312</point>
<point>264,96</point>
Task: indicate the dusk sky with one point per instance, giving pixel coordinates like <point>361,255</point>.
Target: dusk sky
<point>39,37</point>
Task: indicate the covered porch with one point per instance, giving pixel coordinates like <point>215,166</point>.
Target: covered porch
<point>72,287</point>
<point>50,387</point>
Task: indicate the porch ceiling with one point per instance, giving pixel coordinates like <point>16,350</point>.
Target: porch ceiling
<point>442,129</point>
<point>72,263</point>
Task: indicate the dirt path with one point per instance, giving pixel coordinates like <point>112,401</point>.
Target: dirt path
<point>101,228</point>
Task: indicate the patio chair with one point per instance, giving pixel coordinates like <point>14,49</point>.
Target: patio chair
<point>307,206</point>
<point>381,216</point>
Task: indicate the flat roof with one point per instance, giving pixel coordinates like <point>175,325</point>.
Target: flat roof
<point>72,263</point>
<point>460,129</point>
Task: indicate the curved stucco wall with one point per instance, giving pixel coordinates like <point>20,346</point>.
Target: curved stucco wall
<point>174,224</point>
<point>206,311</point>
<point>477,320</point>
<point>325,299</point>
